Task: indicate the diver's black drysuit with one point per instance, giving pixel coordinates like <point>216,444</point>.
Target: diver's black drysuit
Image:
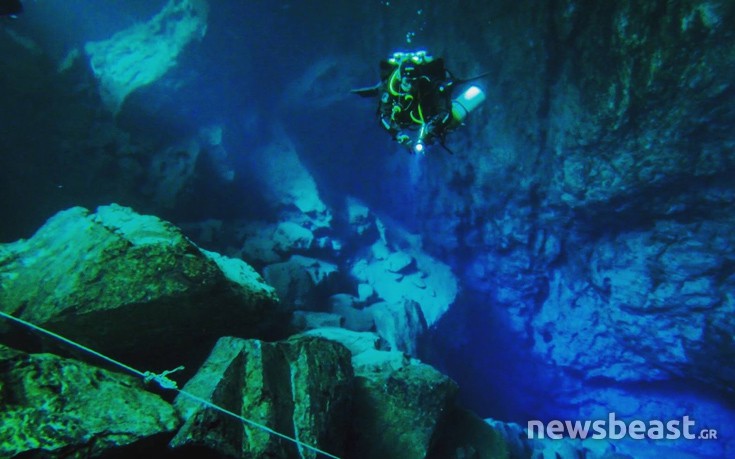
<point>413,95</point>
<point>415,99</point>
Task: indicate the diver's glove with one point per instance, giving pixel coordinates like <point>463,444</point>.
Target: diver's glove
<point>403,139</point>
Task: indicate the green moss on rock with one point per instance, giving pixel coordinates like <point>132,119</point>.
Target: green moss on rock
<point>53,407</point>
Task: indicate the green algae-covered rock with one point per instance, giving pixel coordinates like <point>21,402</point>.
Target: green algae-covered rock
<point>53,407</point>
<point>464,435</point>
<point>321,383</point>
<point>396,414</point>
<point>237,376</point>
<point>300,387</point>
<point>125,283</point>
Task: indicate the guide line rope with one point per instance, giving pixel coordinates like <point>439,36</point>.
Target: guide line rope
<point>165,382</point>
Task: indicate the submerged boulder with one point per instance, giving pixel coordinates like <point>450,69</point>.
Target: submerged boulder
<point>397,277</point>
<point>53,407</point>
<point>290,237</point>
<point>397,413</point>
<point>300,388</point>
<point>300,280</point>
<point>463,435</point>
<point>356,342</point>
<point>256,243</point>
<point>121,282</point>
<point>143,53</point>
<point>359,218</point>
<point>309,320</point>
<point>399,324</point>
<point>397,270</point>
<point>348,307</point>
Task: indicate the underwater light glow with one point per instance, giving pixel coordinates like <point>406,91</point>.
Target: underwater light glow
<point>471,92</point>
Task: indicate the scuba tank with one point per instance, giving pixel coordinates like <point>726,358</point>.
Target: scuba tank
<point>469,100</point>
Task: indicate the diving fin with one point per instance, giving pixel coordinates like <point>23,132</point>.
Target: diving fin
<point>370,91</point>
<point>445,147</point>
<point>467,80</point>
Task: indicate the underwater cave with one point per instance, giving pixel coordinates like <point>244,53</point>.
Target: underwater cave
<point>529,216</point>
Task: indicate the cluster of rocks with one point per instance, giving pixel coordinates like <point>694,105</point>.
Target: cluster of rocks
<point>135,289</point>
<point>343,268</point>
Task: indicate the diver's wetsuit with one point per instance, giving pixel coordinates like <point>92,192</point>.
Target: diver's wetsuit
<point>415,103</point>
<point>415,99</point>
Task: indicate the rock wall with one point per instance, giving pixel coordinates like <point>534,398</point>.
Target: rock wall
<point>600,220</point>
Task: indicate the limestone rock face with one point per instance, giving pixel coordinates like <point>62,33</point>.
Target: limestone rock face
<point>518,444</point>
<point>325,83</point>
<point>659,308</point>
<point>300,387</point>
<point>171,170</point>
<point>53,407</point>
<point>598,220</point>
<point>649,85</point>
<point>120,282</point>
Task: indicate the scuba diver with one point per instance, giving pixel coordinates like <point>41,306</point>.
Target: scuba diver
<point>10,8</point>
<point>415,100</point>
